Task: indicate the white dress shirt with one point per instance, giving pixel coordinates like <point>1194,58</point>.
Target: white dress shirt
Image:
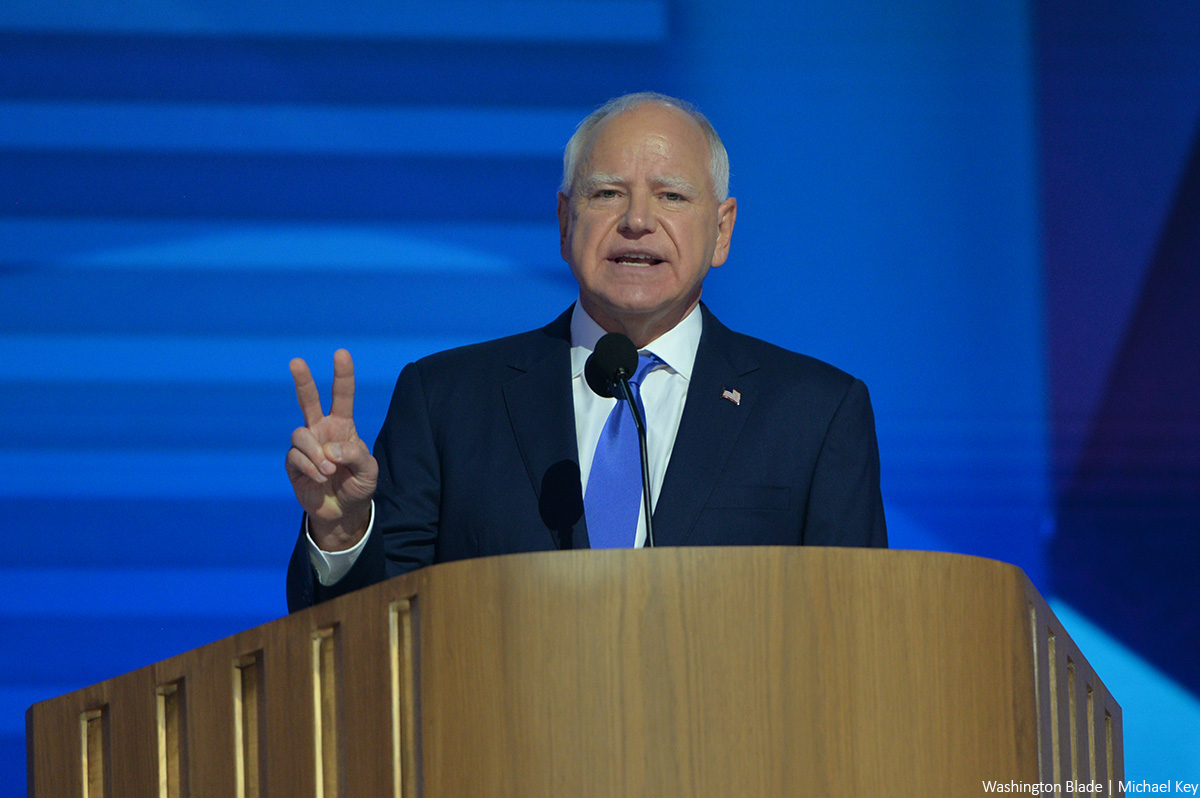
<point>663,391</point>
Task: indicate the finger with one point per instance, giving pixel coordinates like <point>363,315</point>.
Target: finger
<point>297,463</point>
<point>343,385</point>
<point>351,454</point>
<point>307,444</point>
<point>306,392</point>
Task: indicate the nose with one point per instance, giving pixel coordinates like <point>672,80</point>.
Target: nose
<point>639,217</point>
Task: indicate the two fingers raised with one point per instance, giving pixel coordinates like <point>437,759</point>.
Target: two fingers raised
<point>310,398</point>
<point>324,441</point>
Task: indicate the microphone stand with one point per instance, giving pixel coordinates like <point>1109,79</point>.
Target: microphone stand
<point>626,393</point>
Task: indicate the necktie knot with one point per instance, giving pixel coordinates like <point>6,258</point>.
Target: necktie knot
<point>646,362</point>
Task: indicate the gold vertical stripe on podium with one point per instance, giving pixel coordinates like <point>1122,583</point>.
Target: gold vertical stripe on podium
<point>1091,722</point>
<point>402,654</point>
<point>93,751</point>
<point>1072,722</point>
<point>1108,744</point>
<point>171,715</point>
<point>1055,743</point>
<point>247,714</point>
<point>1035,635</point>
<point>325,711</point>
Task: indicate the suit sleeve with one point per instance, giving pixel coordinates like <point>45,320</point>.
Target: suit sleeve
<point>845,505</point>
<point>407,503</point>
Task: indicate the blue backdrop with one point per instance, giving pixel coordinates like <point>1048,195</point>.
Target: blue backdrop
<point>989,211</point>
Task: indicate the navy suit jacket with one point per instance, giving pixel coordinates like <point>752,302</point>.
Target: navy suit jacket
<point>478,456</point>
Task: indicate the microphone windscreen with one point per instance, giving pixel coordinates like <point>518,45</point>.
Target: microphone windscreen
<point>614,354</point>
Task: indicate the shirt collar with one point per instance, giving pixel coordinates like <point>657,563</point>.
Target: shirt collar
<point>676,347</point>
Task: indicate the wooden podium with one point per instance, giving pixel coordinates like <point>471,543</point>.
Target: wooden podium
<point>668,672</point>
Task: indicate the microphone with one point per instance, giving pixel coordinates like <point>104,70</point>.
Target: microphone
<point>614,358</point>
<point>607,371</point>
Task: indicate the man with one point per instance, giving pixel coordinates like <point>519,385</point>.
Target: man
<point>490,448</point>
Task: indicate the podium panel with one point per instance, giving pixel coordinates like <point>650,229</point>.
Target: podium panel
<point>667,672</point>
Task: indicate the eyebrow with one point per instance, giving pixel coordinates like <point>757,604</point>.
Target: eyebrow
<point>592,181</point>
<point>672,181</point>
<point>589,184</point>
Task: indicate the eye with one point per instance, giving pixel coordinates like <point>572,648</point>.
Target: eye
<point>673,196</point>
<point>604,193</point>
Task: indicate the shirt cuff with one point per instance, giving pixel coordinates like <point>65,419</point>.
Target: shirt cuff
<point>331,566</point>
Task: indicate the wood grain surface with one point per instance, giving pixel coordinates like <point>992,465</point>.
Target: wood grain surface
<point>670,672</point>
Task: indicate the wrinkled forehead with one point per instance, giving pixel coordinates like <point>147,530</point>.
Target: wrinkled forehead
<point>648,133</point>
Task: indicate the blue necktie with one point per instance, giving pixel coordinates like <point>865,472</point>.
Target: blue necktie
<point>613,499</point>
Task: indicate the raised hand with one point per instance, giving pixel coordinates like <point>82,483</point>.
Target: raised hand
<point>331,469</point>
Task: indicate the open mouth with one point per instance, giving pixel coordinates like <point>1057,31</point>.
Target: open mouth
<point>636,259</point>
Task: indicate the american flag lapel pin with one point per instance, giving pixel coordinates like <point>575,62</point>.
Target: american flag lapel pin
<point>733,396</point>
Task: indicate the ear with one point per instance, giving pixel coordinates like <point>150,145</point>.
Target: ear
<point>564,218</point>
<point>726,216</point>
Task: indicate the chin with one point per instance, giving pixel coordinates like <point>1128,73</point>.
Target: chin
<point>633,306</point>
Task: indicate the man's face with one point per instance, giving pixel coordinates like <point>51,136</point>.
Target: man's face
<point>643,226</point>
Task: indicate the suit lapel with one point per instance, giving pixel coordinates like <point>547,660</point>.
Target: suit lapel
<point>707,431</point>
<point>542,413</point>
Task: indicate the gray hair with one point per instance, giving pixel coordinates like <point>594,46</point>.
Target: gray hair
<point>718,161</point>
